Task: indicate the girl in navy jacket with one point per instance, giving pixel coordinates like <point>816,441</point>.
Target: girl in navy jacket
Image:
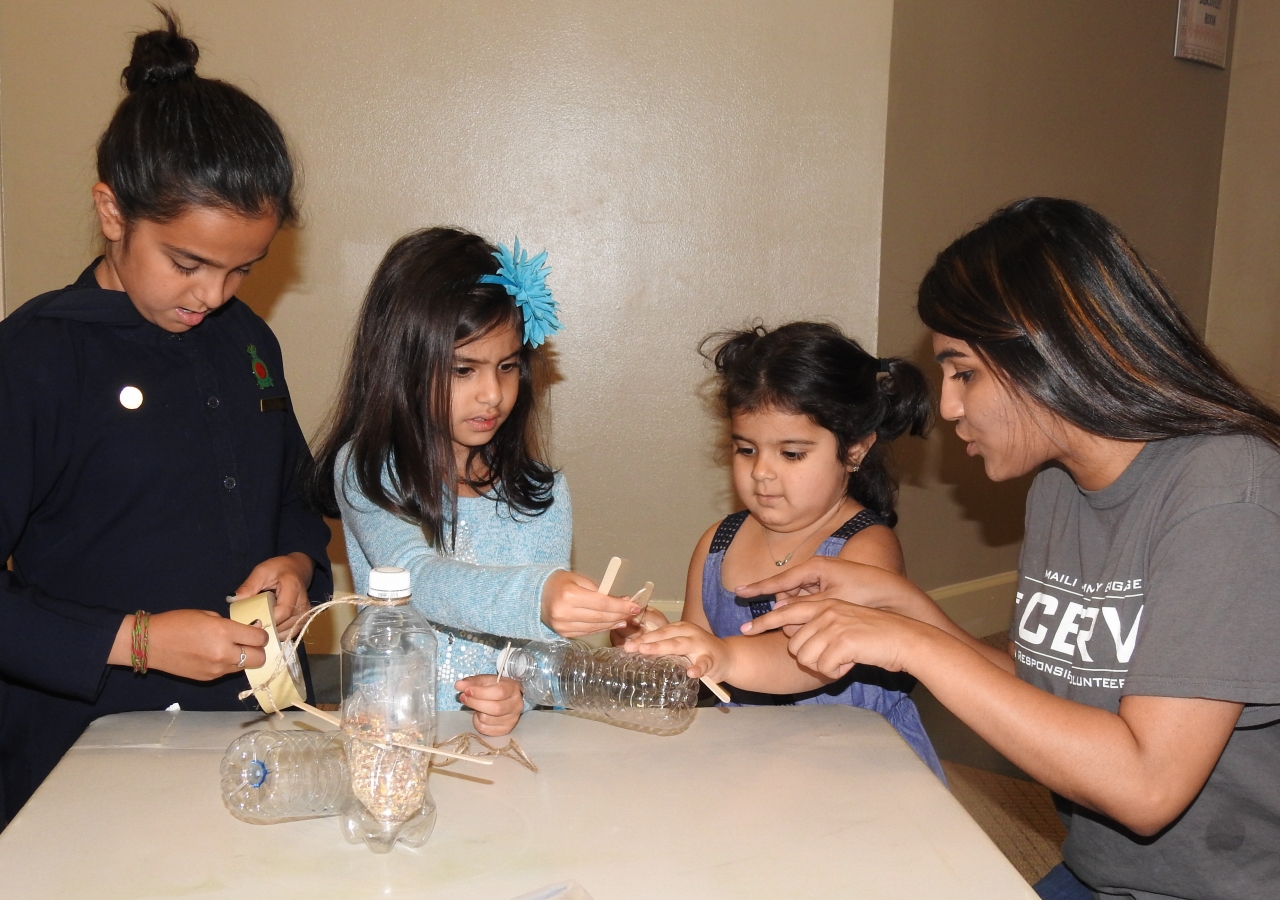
<point>148,450</point>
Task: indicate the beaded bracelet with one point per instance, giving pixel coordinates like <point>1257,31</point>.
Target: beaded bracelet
<point>141,635</point>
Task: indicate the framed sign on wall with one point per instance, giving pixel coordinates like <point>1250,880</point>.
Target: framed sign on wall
<point>1203,29</point>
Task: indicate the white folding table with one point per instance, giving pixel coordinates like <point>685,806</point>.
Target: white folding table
<point>784,802</point>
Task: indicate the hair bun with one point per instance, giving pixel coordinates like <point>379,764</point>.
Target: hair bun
<point>161,57</point>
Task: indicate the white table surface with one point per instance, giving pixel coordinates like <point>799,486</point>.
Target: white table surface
<point>789,802</point>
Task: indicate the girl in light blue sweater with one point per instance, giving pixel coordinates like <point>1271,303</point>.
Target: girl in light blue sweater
<point>433,463</point>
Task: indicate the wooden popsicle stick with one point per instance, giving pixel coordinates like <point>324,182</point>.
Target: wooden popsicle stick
<point>318,713</point>
<point>642,597</point>
<point>334,720</point>
<point>423,748</point>
<point>716,689</point>
<point>610,574</point>
<point>505,657</point>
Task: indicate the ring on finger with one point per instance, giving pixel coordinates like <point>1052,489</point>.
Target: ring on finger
<point>243,656</point>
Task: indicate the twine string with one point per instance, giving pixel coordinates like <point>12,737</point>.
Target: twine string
<point>459,743</point>
<point>289,643</point>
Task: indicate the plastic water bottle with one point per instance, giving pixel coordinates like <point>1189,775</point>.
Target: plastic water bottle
<point>389,700</point>
<point>273,776</point>
<point>644,693</point>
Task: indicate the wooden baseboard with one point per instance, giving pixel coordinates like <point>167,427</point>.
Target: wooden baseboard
<point>981,607</point>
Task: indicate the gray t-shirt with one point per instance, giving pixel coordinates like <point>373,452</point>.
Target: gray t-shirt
<point>1167,584</point>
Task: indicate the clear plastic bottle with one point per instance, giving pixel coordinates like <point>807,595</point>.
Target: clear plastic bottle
<point>644,693</point>
<point>389,699</point>
<point>273,776</point>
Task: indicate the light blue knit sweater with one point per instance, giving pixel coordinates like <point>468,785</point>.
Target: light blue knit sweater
<point>485,592</point>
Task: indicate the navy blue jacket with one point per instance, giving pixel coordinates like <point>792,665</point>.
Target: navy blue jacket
<point>107,510</point>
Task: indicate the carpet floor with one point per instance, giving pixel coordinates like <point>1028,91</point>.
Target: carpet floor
<point>1014,810</point>
<point>1017,815</point>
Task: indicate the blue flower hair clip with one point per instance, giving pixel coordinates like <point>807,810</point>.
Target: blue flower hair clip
<point>526,280</point>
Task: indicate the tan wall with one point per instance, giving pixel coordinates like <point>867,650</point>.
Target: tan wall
<point>1244,301</point>
<point>991,100</point>
<point>688,165</point>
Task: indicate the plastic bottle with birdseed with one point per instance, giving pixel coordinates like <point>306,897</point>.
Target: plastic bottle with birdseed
<point>643,693</point>
<point>388,707</point>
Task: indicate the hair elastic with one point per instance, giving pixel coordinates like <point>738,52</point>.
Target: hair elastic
<point>884,365</point>
<point>526,280</point>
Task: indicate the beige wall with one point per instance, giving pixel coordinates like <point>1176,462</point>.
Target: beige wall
<point>688,165</point>
<point>991,100</point>
<point>1244,301</point>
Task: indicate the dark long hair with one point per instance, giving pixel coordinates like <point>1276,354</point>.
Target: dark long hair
<point>178,140</point>
<point>394,407</point>
<point>812,369</point>
<point>1058,302</point>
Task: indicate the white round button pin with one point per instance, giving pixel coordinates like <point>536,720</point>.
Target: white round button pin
<point>130,397</point>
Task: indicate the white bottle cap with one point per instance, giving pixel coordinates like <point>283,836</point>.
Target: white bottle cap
<point>389,582</point>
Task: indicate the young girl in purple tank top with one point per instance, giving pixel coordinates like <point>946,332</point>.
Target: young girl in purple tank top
<point>812,415</point>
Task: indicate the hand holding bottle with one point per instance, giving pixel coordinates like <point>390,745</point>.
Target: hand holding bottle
<point>709,656</point>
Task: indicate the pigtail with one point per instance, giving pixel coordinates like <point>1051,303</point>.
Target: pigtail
<point>905,407</point>
<point>908,404</point>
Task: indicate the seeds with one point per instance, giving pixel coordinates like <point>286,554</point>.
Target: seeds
<point>390,781</point>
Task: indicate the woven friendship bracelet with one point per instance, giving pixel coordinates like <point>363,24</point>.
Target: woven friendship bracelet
<point>141,637</point>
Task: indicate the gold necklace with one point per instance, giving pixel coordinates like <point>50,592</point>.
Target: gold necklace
<point>786,559</point>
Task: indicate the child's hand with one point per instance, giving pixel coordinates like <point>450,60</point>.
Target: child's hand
<point>497,703</point>
<point>648,620</point>
<point>572,607</point>
<point>194,643</point>
<point>708,655</point>
<point>289,576</point>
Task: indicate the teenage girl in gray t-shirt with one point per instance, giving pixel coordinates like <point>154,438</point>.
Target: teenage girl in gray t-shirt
<point>1142,678</point>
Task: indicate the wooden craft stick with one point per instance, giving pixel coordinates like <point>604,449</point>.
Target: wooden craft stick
<point>505,657</point>
<point>318,713</point>
<point>610,575</point>
<point>334,720</point>
<point>716,689</point>
<point>423,748</point>
<point>641,597</point>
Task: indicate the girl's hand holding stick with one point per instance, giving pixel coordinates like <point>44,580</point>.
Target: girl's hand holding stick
<point>573,607</point>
